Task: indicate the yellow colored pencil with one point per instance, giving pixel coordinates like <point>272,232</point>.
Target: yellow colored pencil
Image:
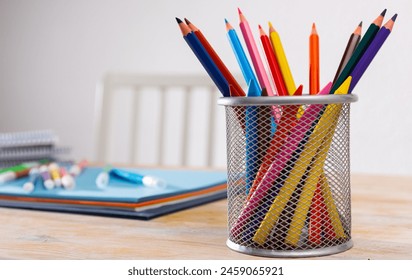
<point>320,132</point>
<point>281,57</point>
<point>309,187</point>
<point>330,205</point>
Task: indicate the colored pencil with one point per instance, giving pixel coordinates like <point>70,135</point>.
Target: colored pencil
<point>296,134</point>
<point>329,118</point>
<point>287,122</point>
<point>252,139</point>
<point>314,66</point>
<point>254,54</point>
<point>350,48</point>
<point>273,64</point>
<point>316,216</point>
<point>264,128</point>
<point>359,51</point>
<point>372,50</point>
<point>333,226</point>
<point>281,58</point>
<point>315,219</point>
<point>241,58</point>
<point>204,58</point>
<point>309,187</point>
<point>216,59</point>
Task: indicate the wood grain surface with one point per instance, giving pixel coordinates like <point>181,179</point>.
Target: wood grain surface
<point>381,229</point>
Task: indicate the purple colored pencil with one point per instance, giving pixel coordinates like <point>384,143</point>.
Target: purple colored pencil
<point>371,51</point>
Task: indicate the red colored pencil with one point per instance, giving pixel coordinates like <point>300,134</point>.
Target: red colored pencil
<point>216,59</point>
<point>273,64</point>
<point>315,219</point>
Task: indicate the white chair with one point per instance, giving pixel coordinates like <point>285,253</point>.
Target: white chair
<point>163,120</point>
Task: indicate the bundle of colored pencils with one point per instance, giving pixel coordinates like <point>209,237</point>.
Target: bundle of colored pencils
<point>291,123</point>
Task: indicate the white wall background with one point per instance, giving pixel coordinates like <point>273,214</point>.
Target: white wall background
<point>52,54</point>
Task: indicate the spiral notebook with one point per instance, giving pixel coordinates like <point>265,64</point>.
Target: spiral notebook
<point>18,147</point>
<point>185,189</point>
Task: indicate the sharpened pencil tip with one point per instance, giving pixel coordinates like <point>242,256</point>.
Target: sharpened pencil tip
<point>226,21</point>
<point>360,24</point>
<point>383,13</point>
<point>179,20</point>
<point>239,11</point>
<point>187,21</point>
<point>260,27</point>
<point>314,28</point>
<point>271,28</point>
<point>394,17</point>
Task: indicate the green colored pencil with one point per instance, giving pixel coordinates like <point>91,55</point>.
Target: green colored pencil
<point>359,51</point>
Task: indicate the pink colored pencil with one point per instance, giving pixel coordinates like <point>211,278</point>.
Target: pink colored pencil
<point>254,54</point>
<point>296,135</point>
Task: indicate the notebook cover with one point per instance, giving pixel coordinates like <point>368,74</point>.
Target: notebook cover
<point>185,188</point>
<point>146,214</point>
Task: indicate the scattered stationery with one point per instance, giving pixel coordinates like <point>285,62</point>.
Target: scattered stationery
<point>134,193</point>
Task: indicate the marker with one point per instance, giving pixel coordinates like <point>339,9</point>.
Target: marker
<point>76,169</point>
<point>55,174</point>
<point>67,179</point>
<point>20,167</point>
<point>147,181</point>
<point>45,174</point>
<point>13,175</point>
<point>102,180</point>
<point>34,175</point>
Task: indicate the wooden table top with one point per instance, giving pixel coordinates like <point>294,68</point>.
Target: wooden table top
<point>381,229</point>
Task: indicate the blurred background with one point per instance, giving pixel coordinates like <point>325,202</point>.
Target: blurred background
<point>57,56</point>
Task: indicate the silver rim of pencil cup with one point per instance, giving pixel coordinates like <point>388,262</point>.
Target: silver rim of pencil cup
<point>292,253</point>
<point>288,100</point>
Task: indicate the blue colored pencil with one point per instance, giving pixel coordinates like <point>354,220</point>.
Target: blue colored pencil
<point>252,139</point>
<point>204,58</point>
<point>244,64</point>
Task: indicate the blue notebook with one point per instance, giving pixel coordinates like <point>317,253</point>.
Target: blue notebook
<point>185,188</point>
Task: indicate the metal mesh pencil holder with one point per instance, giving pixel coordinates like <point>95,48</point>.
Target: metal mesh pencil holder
<point>288,168</point>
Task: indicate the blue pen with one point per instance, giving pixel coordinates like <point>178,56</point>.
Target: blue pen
<point>148,181</point>
<point>204,58</point>
<point>244,64</point>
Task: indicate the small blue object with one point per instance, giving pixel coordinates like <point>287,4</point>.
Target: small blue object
<point>148,181</point>
<point>244,64</point>
<point>252,148</point>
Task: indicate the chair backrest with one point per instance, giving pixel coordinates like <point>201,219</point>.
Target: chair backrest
<point>164,120</point>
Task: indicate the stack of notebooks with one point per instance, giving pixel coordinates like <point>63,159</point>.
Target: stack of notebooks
<point>184,189</point>
<point>18,147</point>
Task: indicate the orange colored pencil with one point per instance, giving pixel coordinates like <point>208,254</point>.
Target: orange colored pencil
<point>314,61</point>
<point>216,59</point>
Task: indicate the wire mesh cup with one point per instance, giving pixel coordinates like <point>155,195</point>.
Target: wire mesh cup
<point>288,171</point>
